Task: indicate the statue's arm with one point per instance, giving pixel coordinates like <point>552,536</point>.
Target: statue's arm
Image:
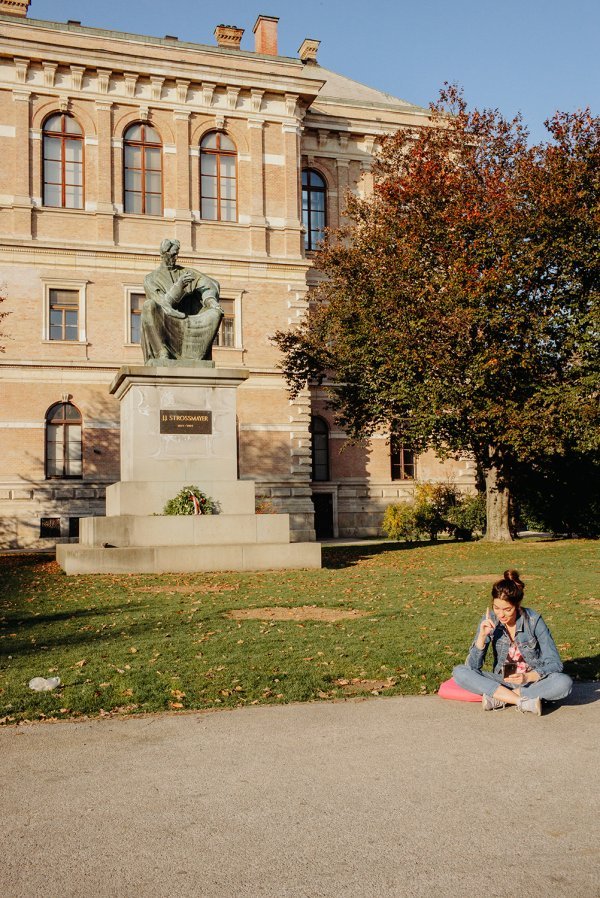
<point>165,298</point>
<point>210,291</point>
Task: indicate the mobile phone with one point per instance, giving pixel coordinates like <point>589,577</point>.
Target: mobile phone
<point>509,668</point>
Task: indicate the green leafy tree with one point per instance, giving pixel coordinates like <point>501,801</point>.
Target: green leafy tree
<point>459,309</point>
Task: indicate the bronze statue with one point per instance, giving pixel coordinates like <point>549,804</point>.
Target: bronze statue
<point>181,315</point>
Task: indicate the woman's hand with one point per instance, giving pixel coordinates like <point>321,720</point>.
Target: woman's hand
<point>487,626</point>
<point>521,679</point>
<point>517,679</point>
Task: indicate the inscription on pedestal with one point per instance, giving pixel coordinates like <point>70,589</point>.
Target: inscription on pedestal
<point>186,421</point>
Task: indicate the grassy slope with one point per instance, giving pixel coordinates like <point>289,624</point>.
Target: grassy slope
<point>140,643</point>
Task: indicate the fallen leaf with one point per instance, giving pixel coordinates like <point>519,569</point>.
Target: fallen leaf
<point>80,663</point>
<point>175,705</point>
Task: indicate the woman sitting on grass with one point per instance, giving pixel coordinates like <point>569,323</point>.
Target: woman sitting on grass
<point>527,666</point>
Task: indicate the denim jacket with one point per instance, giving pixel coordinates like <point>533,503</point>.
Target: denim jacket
<point>533,638</point>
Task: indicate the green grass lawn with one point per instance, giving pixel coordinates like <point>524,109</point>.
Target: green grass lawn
<point>132,644</point>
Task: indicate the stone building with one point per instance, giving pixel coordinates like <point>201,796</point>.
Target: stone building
<point>110,142</point>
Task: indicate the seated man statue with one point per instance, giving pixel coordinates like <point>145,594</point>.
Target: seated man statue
<point>181,315</point>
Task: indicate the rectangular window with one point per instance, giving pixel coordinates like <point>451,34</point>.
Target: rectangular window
<point>74,528</point>
<point>64,314</point>
<point>136,301</point>
<point>226,333</point>
<point>64,305</point>
<point>49,528</point>
<point>402,463</point>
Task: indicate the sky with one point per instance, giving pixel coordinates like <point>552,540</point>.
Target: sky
<point>527,56</point>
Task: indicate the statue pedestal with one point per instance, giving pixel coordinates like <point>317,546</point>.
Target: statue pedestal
<point>178,428</point>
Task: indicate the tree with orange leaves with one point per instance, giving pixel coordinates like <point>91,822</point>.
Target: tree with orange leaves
<point>460,306</point>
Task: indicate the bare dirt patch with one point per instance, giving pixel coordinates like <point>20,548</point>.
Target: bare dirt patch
<point>482,578</point>
<point>301,613</point>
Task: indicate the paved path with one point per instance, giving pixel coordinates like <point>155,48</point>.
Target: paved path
<point>384,798</point>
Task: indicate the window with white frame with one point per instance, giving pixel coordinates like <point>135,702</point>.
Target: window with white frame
<point>63,441</point>
<point>64,311</point>
<point>229,335</point>
<point>226,333</point>
<point>134,300</point>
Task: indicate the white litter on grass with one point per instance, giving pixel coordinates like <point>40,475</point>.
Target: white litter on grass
<point>41,684</point>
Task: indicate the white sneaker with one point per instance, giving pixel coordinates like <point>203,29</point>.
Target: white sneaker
<point>531,705</point>
<point>489,703</point>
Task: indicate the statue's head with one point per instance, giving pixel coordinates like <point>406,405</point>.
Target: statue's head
<point>169,250</point>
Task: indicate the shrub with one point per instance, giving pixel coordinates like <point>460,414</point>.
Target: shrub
<point>399,522</point>
<point>468,516</point>
<point>436,508</point>
<point>432,504</point>
<point>183,503</point>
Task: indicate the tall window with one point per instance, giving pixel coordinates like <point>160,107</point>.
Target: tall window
<point>142,153</point>
<point>63,441</point>
<point>63,162</point>
<point>218,187</point>
<point>320,448</point>
<point>64,314</point>
<point>314,197</point>
<point>226,333</point>
<point>136,301</point>
<point>402,463</point>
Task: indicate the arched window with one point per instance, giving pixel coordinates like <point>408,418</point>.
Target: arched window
<point>63,162</point>
<point>314,207</point>
<point>320,448</point>
<point>63,441</point>
<point>142,170</point>
<point>218,181</point>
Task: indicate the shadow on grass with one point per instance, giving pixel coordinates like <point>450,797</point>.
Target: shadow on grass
<point>20,644</point>
<point>584,668</point>
<point>335,557</point>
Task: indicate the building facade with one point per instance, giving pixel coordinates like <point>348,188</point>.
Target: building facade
<point>110,142</point>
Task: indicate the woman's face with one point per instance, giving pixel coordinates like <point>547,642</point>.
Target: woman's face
<point>504,611</point>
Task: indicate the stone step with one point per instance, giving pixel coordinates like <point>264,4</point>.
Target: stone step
<point>78,559</point>
<point>123,531</point>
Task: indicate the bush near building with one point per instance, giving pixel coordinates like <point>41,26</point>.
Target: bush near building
<point>437,508</point>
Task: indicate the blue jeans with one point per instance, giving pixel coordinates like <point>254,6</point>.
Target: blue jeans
<point>552,687</point>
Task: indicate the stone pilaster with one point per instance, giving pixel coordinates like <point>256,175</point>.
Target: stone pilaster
<point>293,233</point>
<point>343,180</point>
<point>22,203</point>
<point>258,231</point>
<point>104,169</point>
<point>183,215</point>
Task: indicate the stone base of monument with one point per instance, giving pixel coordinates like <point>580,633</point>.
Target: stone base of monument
<point>178,428</point>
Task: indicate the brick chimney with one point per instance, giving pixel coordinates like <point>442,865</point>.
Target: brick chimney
<point>14,7</point>
<point>228,36</point>
<point>308,51</point>
<point>265,35</point>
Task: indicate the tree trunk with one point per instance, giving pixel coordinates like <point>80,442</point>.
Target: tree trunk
<point>497,502</point>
